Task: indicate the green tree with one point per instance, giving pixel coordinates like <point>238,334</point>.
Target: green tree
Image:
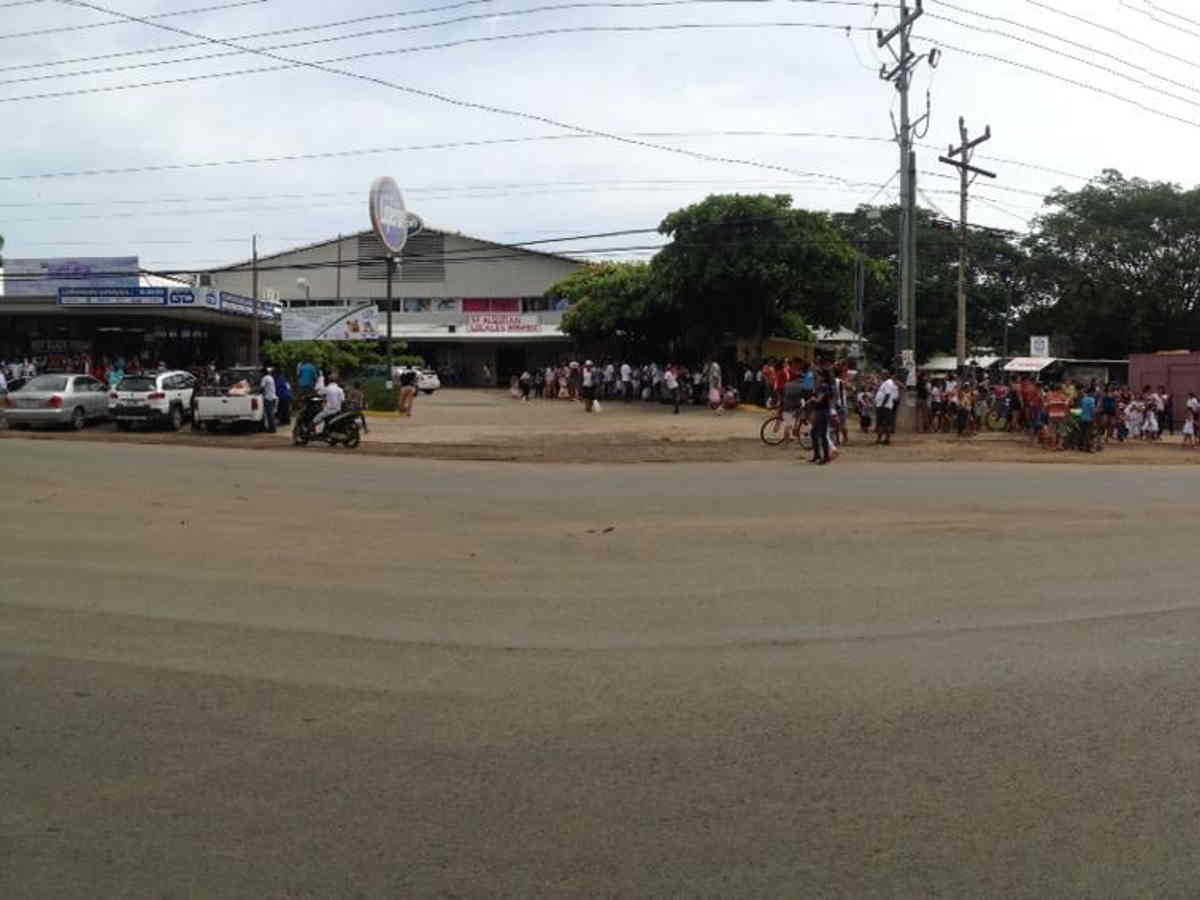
<point>1115,266</point>
<point>992,258</point>
<point>344,357</point>
<point>616,299</point>
<point>749,265</point>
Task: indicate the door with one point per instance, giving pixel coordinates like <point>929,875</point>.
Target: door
<point>510,361</point>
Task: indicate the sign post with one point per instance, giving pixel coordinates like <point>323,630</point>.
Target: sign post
<point>389,218</point>
<point>1039,346</point>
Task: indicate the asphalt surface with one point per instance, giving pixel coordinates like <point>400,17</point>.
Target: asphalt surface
<point>315,674</point>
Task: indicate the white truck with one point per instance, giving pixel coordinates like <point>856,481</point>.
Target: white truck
<point>234,401</point>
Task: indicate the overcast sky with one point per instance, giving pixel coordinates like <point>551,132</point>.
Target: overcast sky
<point>774,78</point>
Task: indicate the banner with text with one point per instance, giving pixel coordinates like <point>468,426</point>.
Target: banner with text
<point>332,323</point>
<point>502,322</point>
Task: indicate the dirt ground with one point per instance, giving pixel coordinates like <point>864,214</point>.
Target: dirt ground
<point>491,425</point>
<point>329,674</point>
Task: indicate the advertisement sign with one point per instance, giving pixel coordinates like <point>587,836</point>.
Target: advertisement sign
<point>389,218</point>
<point>1039,346</point>
<point>502,322</point>
<point>332,323</point>
<point>43,277</point>
<point>112,296</point>
<point>237,305</point>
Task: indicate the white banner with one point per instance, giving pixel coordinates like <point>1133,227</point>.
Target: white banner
<point>502,322</point>
<point>1039,346</point>
<point>332,323</point>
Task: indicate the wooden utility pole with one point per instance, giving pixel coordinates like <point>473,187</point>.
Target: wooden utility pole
<point>967,175</point>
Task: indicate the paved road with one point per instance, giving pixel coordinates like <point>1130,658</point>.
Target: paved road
<point>316,674</point>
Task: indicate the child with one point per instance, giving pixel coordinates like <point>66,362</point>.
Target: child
<point>1189,431</point>
<point>1133,419</point>
<point>1150,423</point>
<point>866,407</point>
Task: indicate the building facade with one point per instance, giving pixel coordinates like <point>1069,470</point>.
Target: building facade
<point>474,309</point>
<point>60,311</point>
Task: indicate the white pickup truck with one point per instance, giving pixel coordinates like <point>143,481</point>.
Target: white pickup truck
<point>236,400</point>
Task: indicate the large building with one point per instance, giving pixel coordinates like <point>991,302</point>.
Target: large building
<point>64,309</point>
<point>469,306</point>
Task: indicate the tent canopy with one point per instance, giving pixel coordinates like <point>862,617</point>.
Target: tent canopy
<point>1028,364</point>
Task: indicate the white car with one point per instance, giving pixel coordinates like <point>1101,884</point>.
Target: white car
<point>152,398</point>
<point>427,379</point>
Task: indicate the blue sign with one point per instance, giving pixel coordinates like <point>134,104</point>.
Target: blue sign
<point>389,218</point>
<point>181,298</point>
<point>112,296</point>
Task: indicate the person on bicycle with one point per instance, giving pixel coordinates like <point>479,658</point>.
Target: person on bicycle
<point>793,398</point>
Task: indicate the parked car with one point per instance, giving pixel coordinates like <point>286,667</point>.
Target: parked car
<point>72,400</point>
<point>236,399</point>
<point>152,399</point>
<point>427,379</point>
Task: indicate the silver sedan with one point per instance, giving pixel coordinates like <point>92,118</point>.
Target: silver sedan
<point>72,400</point>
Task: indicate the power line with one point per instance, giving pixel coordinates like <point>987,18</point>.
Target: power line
<point>181,12</point>
<point>1115,32</point>
<point>1169,12</point>
<point>1153,18</point>
<point>1065,55</point>
<point>490,15</point>
<point>372,54</point>
<point>403,13</point>
<point>1063,78</point>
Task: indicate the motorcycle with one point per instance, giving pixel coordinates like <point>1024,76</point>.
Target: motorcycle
<point>345,428</point>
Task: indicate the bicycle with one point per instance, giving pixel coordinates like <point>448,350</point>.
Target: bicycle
<point>776,431</point>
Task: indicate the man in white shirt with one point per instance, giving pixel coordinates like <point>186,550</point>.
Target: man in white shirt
<point>610,378</point>
<point>335,399</point>
<point>3,382</point>
<point>587,383</point>
<point>671,383</point>
<point>270,399</point>
<point>887,400</point>
<point>627,381</point>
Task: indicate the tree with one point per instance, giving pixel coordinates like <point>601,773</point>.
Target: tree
<point>749,265</point>
<point>616,299</point>
<point>993,259</point>
<point>1115,266</point>
<point>343,357</point>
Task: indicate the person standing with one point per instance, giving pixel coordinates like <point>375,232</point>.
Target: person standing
<point>587,385</point>
<point>408,392</point>
<point>671,382</point>
<point>887,401</point>
<point>270,400</point>
<point>306,379</point>
<point>923,403</point>
<point>627,382</point>
<point>526,384</point>
<point>1087,414</point>
<point>1167,419</point>
<point>283,391</point>
<point>820,403</point>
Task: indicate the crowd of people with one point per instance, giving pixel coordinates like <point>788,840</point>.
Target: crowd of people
<point>613,381</point>
<point>1056,415</point>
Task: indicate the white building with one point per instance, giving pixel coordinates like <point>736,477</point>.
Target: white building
<point>461,302</point>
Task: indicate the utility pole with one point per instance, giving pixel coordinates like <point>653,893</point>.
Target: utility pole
<point>901,76</point>
<point>967,174</point>
<point>254,294</point>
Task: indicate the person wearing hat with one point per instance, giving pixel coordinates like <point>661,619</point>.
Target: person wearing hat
<point>587,383</point>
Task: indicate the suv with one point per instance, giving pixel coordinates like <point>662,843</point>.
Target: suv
<point>158,398</point>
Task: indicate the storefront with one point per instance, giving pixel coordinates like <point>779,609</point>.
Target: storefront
<point>154,320</point>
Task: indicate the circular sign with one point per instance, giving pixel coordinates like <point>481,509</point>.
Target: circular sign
<point>389,218</point>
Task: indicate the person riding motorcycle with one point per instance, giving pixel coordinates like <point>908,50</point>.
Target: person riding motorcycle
<point>335,399</point>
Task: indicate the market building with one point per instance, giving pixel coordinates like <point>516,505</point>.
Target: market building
<point>473,308</point>
<point>62,309</point>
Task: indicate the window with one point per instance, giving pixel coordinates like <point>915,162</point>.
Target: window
<point>47,383</point>
<point>135,383</point>
<point>417,304</point>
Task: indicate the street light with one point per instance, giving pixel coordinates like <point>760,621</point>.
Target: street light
<point>303,283</point>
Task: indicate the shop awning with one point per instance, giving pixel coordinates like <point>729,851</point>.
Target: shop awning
<point>950,363</point>
<point>1028,364</point>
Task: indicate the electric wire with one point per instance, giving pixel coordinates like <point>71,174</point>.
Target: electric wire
<point>167,15</point>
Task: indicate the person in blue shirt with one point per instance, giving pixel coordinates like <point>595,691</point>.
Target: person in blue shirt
<point>1087,413</point>
<point>808,382</point>
<point>306,379</point>
<point>283,391</point>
